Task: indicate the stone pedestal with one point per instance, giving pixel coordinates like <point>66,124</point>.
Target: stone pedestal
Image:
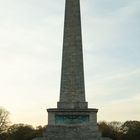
<point>72,124</point>
<point>72,133</point>
<point>71,117</point>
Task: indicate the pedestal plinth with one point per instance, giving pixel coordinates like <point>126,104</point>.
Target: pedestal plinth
<point>72,124</point>
<point>65,117</point>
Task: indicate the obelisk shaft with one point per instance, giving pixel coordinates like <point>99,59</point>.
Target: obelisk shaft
<point>72,92</point>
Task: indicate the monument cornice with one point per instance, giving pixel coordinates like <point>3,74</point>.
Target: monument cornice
<point>72,110</point>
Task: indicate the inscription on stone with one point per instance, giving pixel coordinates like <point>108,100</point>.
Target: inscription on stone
<point>71,119</point>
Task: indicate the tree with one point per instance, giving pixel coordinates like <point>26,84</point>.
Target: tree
<point>117,132</point>
<point>4,120</point>
<point>131,130</point>
<point>21,132</point>
<point>39,130</point>
<point>111,130</point>
<point>105,129</point>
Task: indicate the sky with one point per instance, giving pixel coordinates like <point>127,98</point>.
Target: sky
<point>31,38</point>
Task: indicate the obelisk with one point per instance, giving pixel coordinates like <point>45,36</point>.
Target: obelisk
<point>72,92</point>
<point>72,119</point>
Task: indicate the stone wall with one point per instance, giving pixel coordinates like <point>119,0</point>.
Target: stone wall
<point>72,133</point>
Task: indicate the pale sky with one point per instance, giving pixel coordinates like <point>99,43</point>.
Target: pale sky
<point>31,38</point>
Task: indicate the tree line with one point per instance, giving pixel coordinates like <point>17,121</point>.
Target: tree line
<point>129,130</point>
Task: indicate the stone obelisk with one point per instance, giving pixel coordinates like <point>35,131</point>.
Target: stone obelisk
<point>72,92</point>
<point>72,119</point>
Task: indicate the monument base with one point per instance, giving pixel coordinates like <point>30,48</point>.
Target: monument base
<point>71,133</point>
<point>72,124</point>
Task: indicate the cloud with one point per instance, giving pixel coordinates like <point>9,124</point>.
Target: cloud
<point>125,109</point>
<point>117,25</point>
<point>109,8</point>
<point>121,76</point>
<point>28,12</point>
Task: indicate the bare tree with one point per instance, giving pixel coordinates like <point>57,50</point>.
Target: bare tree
<point>4,120</point>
